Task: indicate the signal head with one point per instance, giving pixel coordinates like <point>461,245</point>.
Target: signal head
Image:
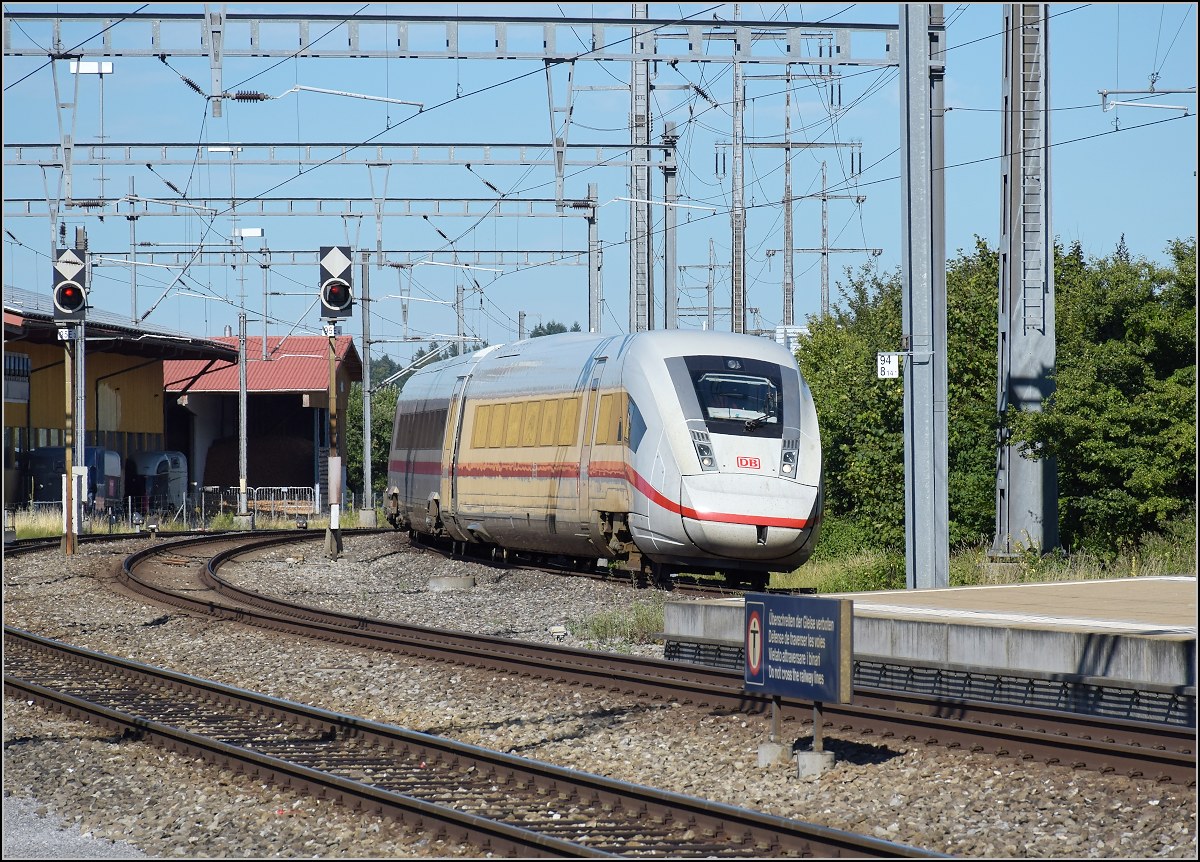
<point>70,301</point>
<point>336,298</point>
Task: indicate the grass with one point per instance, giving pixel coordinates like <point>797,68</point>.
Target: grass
<point>1171,551</point>
<point>639,623</point>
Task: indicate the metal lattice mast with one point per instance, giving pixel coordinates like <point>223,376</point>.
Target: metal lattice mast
<point>789,285</point>
<point>926,502</point>
<point>1026,491</point>
<point>737,212</point>
<point>641,309</point>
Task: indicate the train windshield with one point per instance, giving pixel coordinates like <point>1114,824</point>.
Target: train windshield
<point>741,397</point>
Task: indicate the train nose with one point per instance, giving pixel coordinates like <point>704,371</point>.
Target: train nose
<point>749,517</point>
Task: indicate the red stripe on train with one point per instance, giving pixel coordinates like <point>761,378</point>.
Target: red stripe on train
<point>597,469</point>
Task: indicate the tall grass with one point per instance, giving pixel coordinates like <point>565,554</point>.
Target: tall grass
<point>638,623</point>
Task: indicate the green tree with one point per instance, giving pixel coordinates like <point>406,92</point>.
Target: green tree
<point>552,327</point>
<point>1122,421</point>
<point>383,367</point>
<point>861,416</point>
<point>383,414</point>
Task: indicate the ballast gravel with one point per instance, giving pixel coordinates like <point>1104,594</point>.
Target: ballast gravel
<point>71,790</point>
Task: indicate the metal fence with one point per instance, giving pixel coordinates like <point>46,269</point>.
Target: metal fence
<point>266,501</point>
<point>201,507</point>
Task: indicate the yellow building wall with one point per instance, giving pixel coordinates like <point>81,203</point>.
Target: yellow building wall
<point>124,393</point>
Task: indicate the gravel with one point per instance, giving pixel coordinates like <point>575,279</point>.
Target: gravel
<point>66,782</point>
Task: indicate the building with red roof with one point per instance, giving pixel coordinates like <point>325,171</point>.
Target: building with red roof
<point>288,428</point>
<point>119,408</point>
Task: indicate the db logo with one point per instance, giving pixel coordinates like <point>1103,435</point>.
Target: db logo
<point>751,463</point>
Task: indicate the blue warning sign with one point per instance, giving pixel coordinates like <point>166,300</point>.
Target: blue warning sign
<point>800,646</point>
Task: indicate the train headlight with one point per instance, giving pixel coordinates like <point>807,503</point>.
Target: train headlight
<point>788,467</point>
<point>705,453</point>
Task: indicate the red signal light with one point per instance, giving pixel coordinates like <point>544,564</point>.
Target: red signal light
<point>69,298</point>
<point>336,296</point>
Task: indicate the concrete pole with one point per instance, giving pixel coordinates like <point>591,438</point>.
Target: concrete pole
<point>595,262</point>
<point>366,513</point>
<point>132,217</point>
<point>265,266</point>
<point>243,511</point>
<point>824,239</point>
<point>671,297</point>
<point>333,533</point>
<point>68,539</point>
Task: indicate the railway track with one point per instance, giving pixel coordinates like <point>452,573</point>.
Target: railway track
<point>585,569</point>
<point>507,805</point>
<point>186,574</point>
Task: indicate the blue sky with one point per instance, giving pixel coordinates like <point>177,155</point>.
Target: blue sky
<point>1130,171</point>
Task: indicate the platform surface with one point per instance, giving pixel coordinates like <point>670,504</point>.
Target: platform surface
<point>1152,606</point>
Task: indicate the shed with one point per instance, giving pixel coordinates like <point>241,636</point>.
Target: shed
<point>287,410</point>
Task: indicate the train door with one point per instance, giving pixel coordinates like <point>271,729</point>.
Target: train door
<point>590,409</point>
<point>450,453</point>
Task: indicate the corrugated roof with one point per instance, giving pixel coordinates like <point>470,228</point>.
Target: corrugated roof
<point>29,316</point>
<point>295,363</point>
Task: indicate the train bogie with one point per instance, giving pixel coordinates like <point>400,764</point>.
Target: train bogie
<point>670,451</point>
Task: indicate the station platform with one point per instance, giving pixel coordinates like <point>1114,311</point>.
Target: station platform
<point>1059,642</point>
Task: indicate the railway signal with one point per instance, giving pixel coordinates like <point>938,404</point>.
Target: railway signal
<point>70,292</point>
<point>337,293</point>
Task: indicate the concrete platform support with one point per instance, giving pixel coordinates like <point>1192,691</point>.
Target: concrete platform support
<point>770,753</point>
<point>810,764</point>
<point>1140,631</point>
<point>449,583</point>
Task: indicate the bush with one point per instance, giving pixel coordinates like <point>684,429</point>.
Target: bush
<point>865,572</point>
<point>842,537</point>
<point>639,623</point>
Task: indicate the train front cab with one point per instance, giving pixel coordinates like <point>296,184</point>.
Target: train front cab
<point>743,435</point>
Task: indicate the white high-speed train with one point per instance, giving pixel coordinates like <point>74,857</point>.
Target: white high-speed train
<point>662,452</point>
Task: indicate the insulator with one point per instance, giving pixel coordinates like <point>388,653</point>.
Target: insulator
<point>193,85</point>
<point>250,96</point>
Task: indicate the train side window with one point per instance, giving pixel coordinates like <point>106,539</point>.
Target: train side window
<point>610,422</point>
<point>479,430</point>
<point>512,431</point>
<point>496,426</point>
<point>637,426</point>
<point>549,429</point>
<point>438,421</point>
<point>604,419</point>
<point>568,424</point>
<point>532,424</point>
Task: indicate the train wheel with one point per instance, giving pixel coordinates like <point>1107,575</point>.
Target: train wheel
<point>758,581</point>
<point>660,576</point>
